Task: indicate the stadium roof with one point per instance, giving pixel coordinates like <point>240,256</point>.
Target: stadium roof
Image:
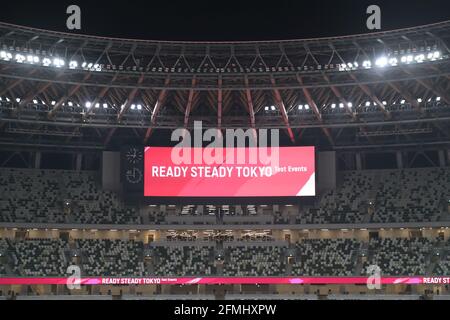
<point>384,88</point>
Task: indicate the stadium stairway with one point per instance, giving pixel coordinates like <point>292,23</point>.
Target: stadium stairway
<point>357,261</point>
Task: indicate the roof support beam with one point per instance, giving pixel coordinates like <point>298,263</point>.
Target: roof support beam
<point>315,109</point>
<point>159,101</point>
<point>341,98</point>
<point>426,84</point>
<point>30,96</point>
<point>130,98</point>
<point>251,109</point>
<point>187,111</point>
<point>109,136</point>
<point>72,91</point>
<point>219,104</point>
<point>405,94</point>
<point>100,96</point>
<point>372,96</point>
<point>282,108</point>
<point>16,83</point>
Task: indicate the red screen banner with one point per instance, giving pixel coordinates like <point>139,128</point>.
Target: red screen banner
<point>291,175</point>
<point>226,280</point>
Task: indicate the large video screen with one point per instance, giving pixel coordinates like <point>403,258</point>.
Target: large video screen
<point>229,172</point>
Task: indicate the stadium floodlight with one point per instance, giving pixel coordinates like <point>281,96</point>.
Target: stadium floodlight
<point>381,62</point>
<point>367,64</point>
<point>272,108</point>
<point>58,62</point>
<point>139,107</point>
<point>341,105</point>
<point>300,107</point>
<point>73,64</point>
<point>89,65</point>
<point>88,104</point>
<point>306,106</point>
<point>97,105</point>
<point>83,65</point>
<point>105,106</point>
<point>403,101</point>
<point>438,98</point>
<point>32,59</point>
<point>419,100</point>
<point>7,99</point>
<point>53,102</point>
<point>350,105</point>
<point>46,62</point>
<point>419,58</point>
<point>368,104</point>
<point>70,103</point>
<point>133,106</point>
<point>5,55</point>
<point>35,101</point>
<point>436,55</point>
<point>266,108</point>
<point>20,58</point>
<point>333,106</point>
<point>393,61</point>
<point>384,103</point>
<point>17,99</point>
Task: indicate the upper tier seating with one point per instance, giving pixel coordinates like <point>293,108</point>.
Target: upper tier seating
<point>344,204</point>
<point>57,196</point>
<point>378,196</point>
<point>411,195</point>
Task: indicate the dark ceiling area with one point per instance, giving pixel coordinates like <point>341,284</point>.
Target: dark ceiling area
<point>223,20</point>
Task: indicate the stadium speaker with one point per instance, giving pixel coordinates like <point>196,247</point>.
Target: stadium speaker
<point>111,171</point>
<point>326,170</point>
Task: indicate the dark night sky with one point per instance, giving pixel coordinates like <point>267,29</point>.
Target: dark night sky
<point>223,20</point>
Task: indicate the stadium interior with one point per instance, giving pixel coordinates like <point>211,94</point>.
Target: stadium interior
<point>77,111</point>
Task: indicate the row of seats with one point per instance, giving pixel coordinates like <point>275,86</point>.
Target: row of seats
<point>311,257</point>
<point>378,196</point>
<point>111,257</point>
<point>38,257</point>
<point>185,260</point>
<point>411,195</point>
<point>400,256</point>
<point>58,196</point>
<point>333,257</point>
<point>255,261</point>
